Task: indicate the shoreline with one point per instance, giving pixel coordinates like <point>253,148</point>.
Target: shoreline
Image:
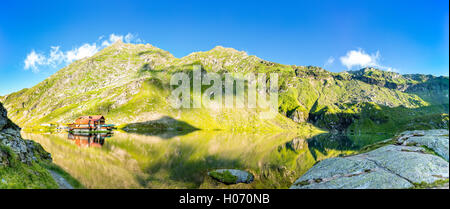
<point>413,159</point>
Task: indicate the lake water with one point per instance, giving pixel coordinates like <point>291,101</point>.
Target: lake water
<point>182,160</point>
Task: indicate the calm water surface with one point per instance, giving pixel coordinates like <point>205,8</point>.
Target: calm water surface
<point>182,160</point>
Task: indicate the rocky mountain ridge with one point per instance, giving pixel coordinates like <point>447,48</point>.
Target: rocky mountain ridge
<point>130,84</point>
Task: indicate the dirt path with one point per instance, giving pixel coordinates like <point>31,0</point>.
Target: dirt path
<point>62,183</point>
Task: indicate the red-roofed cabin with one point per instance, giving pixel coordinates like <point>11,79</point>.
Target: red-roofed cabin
<point>94,119</point>
<point>94,122</point>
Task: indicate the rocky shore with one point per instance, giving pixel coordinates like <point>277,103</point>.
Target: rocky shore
<point>22,162</point>
<point>414,159</point>
<point>27,151</point>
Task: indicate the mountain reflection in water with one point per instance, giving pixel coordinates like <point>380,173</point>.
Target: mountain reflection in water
<point>126,160</point>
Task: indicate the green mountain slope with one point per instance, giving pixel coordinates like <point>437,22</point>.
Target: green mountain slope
<point>129,84</point>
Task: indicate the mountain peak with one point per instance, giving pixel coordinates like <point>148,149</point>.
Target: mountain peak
<point>227,50</point>
<point>221,48</point>
<point>117,43</point>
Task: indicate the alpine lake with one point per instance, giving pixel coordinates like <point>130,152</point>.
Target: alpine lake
<point>183,159</point>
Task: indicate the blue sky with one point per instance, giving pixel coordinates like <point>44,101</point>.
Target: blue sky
<point>403,36</point>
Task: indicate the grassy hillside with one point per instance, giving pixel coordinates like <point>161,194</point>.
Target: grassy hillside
<point>129,84</point>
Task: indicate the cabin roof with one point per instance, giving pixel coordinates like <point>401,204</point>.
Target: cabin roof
<point>82,121</point>
<point>91,118</point>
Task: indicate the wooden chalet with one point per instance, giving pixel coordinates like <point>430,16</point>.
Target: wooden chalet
<point>90,123</point>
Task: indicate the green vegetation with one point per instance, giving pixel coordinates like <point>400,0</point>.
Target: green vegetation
<point>377,145</point>
<point>431,152</point>
<point>302,183</point>
<point>129,84</point>
<point>424,185</point>
<point>41,129</point>
<point>55,168</point>
<point>17,175</point>
<point>224,177</point>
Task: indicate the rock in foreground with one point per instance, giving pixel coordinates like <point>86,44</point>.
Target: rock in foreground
<point>26,150</point>
<point>403,165</point>
<point>231,176</point>
<point>20,159</point>
<point>437,140</point>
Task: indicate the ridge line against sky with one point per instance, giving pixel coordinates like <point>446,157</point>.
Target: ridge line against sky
<point>37,38</point>
<point>56,58</point>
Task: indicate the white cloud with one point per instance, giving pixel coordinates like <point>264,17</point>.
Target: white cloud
<point>390,69</point>
<point>129,38</point>
<point>329,62</point>
<point>57,57</point>
<point>113,38</point>
<point>361,59</point>
<point>33,60</point>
